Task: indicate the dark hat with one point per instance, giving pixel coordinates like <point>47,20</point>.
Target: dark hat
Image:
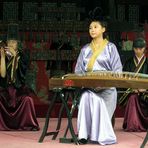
<point>139,43</point>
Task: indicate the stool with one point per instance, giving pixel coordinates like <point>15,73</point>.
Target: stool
<point>144,141</point>
<point>63,94</point>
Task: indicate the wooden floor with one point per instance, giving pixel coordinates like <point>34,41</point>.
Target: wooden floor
<point>22,139</point>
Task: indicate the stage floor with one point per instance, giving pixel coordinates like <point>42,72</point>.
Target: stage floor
<point>22,139</point>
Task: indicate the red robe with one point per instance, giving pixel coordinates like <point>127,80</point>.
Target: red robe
<point>136,111</point>
<point>17,111</point>
<point>16,104</point>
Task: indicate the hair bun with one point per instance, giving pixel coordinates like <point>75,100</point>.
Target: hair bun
<point>96,14</point>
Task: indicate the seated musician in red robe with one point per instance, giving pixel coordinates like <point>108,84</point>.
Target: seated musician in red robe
<point>16,105</point>
<point>136,101</point>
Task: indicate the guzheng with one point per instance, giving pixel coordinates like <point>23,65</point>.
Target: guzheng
<point>101,79</point>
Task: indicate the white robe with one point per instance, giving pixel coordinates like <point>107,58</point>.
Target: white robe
<point>96,109</point>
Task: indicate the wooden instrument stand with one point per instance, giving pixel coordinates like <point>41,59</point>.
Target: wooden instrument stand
<point>63,94</point>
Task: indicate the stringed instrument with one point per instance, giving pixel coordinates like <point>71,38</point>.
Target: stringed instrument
<point>101,79</point>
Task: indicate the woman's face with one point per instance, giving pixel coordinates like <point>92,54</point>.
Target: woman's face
<point>12,44</point>
<point>96,30</point>
<point>139,51</point>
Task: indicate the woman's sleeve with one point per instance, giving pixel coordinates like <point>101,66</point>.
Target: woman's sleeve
<point>115,59</point>
<point>23,66</point>
<point>79,67</point>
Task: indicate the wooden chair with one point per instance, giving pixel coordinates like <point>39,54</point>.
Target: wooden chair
<point>144,141</point>
<point>63,94</point>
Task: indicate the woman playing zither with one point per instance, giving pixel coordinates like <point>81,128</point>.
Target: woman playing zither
<point>96,108</point>
<point>136,101</point>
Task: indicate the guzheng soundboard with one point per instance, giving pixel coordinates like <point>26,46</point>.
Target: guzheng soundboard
<point>101,79</point>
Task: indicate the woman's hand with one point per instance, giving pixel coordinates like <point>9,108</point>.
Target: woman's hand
<point>141,90</point>
<point>11,51</point>
<point>1,49</point>
<point>135,90</point>
<point>138,91</point>
<point>7,52</point>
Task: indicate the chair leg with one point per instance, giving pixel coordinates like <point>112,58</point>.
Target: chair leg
<point>44,133</point>
<point>113,120</point>
<point>69,120</point>
<point>74,94</point>
<point>71,112</point>
<point>59,122</point>
<point>66,96</point>
<point>145,140</point>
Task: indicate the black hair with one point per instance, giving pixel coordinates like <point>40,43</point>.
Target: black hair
<point>97,15</point>
<point>3,44</point>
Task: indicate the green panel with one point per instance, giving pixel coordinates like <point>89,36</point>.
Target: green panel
<point>30,11</point>
<point>10,11</point>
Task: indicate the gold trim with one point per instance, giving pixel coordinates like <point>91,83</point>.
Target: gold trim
<point>130,90</point>
<point>2,64</point>
<point>140,64</point>
<point>96,53</point>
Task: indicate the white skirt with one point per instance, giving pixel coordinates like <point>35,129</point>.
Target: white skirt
<point>94,116</point>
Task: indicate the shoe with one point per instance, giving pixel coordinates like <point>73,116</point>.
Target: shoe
<point>82,141</point>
